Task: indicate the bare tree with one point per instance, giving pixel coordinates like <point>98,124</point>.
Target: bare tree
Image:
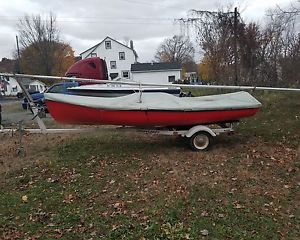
<point>33,29</point>
<point>293,9</point>
<point>41,38</point>
<point>175,49</point>
<point>217,35</point>
<point>280,47</point>
<point>264,55</point>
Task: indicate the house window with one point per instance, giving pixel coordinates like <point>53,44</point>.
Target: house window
<point>171,78</point>
<point>113,75</point>
<point>125,74</point>
<point>122,55</point>
<point>113,64</point>
<point>108,44</point>
<point>93,54</point>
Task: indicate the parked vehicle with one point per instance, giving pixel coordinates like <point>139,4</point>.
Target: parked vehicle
<point>36,97</point>
<point>21,95</point>
<point>94,68</point>
<point>39,100</point>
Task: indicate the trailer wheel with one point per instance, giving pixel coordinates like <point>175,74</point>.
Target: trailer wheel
<point>200,141</point>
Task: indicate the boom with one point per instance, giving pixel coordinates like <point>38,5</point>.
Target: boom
<point>123,81</point>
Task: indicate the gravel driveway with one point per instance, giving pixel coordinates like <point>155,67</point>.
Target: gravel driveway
<point>12,112</point>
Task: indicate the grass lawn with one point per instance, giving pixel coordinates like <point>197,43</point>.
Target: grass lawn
<point>112,185</point>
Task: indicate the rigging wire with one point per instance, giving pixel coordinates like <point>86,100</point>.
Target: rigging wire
<point>125,20</point>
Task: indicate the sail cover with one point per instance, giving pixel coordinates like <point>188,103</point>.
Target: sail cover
<point>161,102</point>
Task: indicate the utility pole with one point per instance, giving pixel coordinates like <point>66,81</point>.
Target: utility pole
<point>18,50</point>
<point>235,47</point>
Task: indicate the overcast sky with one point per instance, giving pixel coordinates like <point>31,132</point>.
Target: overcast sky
<point>84,23</point>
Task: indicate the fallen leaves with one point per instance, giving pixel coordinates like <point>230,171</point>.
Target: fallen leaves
<point>238,206</point>
<point>174,231</point>
<point>140,192</point>
<point>204,214</point>
<point>204,232</point>
<point>69,198</point>
<point>24,199</point>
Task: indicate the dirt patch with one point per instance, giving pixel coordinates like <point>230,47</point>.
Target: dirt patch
<point>12,106</point>
<point>12,114</point>
<point>248,167</point>
<point>141,184</point>
<point>35,148</point>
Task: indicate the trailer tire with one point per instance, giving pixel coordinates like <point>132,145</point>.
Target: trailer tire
<point>200,141</point>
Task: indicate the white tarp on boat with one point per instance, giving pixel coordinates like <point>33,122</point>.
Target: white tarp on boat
<point>161,102</point>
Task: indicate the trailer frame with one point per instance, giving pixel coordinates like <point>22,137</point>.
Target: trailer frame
<point>199,137</point>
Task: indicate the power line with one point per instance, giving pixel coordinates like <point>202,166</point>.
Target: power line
<point>129,20</point>
<point>106,17</point>
<point>144,3</point>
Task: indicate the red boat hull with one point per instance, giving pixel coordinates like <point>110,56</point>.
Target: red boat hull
<point>74,114</point>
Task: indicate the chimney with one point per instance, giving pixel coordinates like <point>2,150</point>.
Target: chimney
<point>131,44</point>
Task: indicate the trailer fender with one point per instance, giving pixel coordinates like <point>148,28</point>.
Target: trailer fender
<point>199,128</point>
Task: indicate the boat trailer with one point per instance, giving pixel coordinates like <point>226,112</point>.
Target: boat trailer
<point>198,137</point>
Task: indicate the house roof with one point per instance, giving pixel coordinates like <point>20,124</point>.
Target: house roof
<point>140,67</point>
<point>91,49</point>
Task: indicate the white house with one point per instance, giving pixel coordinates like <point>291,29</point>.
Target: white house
<point>10,87</point>
<point>156,72</point>
<point>191,77</point>
<point>118,56</point>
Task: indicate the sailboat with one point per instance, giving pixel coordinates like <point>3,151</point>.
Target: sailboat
<point>151,109</point>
